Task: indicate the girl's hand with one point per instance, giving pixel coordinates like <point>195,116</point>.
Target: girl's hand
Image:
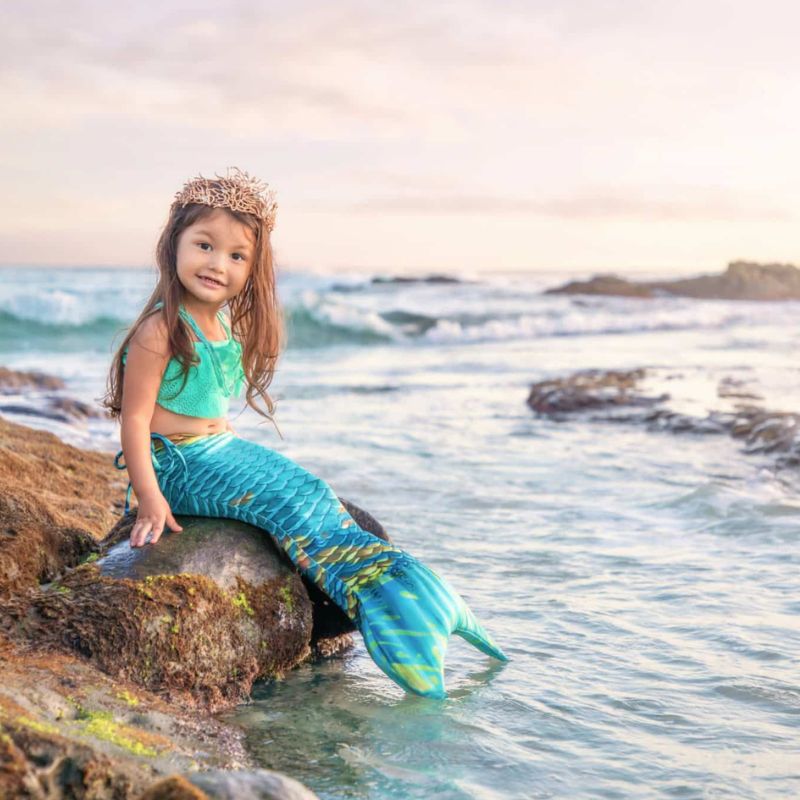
<point>153,512</point>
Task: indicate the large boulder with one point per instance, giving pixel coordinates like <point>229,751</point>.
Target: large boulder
<point>176,632</point>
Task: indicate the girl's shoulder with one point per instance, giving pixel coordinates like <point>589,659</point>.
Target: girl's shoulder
<point>152,333</point>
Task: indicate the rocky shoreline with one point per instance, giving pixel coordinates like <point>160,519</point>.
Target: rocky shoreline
<point>114,660</point>
<point>743,280</point>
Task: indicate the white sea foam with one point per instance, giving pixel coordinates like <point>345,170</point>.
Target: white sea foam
<point>340,314</point>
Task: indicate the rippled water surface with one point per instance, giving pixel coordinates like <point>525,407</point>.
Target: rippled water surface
<point>644,584</point>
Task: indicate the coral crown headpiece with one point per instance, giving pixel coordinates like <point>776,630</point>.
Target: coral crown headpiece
<point>237,191</point>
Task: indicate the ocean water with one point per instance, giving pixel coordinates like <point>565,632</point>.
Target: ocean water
<point>645,584</point>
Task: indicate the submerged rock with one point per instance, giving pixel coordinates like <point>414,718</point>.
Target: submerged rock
<point>743,280</point>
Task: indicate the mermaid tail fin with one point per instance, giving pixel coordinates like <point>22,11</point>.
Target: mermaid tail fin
<point>406,617</point>
<point>470,629</point>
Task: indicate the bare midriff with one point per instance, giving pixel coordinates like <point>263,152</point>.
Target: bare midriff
<point>168,423</point>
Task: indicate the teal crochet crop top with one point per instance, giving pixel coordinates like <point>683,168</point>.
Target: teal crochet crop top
<point>210,383</point>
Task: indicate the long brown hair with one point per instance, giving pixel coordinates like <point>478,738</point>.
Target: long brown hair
<point>256,316</point>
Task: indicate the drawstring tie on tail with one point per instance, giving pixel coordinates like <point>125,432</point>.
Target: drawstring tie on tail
<point>174,461</point>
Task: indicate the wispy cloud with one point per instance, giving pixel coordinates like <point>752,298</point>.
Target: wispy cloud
<point>694,205</point>
<point>582,112</point>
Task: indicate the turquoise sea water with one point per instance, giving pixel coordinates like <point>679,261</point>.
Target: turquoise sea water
<point>645,584</point>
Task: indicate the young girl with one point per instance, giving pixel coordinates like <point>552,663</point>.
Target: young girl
<point>170,387</point>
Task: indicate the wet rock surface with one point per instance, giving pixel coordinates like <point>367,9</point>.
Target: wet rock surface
<point>742,280</point>
<point>56,503</point>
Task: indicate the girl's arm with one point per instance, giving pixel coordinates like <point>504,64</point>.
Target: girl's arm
<point>148,355</point>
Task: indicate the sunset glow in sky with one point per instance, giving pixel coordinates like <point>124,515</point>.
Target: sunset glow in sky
<point>410,136</point>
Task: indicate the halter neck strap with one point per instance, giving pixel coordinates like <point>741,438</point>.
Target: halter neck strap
<point>185,315</point>
<point>225,325</point>
<point>196,328</point>
<point>209,346</point>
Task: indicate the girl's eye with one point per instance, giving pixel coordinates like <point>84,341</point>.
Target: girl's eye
<point>241,257</point>
<point>203,244</point>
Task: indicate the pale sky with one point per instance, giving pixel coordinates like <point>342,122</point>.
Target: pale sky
<point>412,136</point>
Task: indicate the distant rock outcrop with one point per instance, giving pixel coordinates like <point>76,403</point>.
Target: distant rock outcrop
<point>743,280</point>
<point>417,279</point>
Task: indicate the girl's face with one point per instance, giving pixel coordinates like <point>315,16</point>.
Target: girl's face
<point>215,256</point>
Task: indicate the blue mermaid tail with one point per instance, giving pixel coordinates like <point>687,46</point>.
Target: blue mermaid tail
<point>403,609</point>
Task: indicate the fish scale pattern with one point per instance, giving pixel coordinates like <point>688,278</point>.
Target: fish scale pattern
<point>403,609</point>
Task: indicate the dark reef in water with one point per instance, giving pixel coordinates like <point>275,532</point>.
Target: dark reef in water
<point>743,280</point>
<point>589,389</point>
<point>616,396</point>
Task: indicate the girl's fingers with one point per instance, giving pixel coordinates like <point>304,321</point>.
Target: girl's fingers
<point>173,526</point>
<point>142,527</point>
<point>139,533</point>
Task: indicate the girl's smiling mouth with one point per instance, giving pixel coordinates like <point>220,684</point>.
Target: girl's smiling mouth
<point>211,281</point>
